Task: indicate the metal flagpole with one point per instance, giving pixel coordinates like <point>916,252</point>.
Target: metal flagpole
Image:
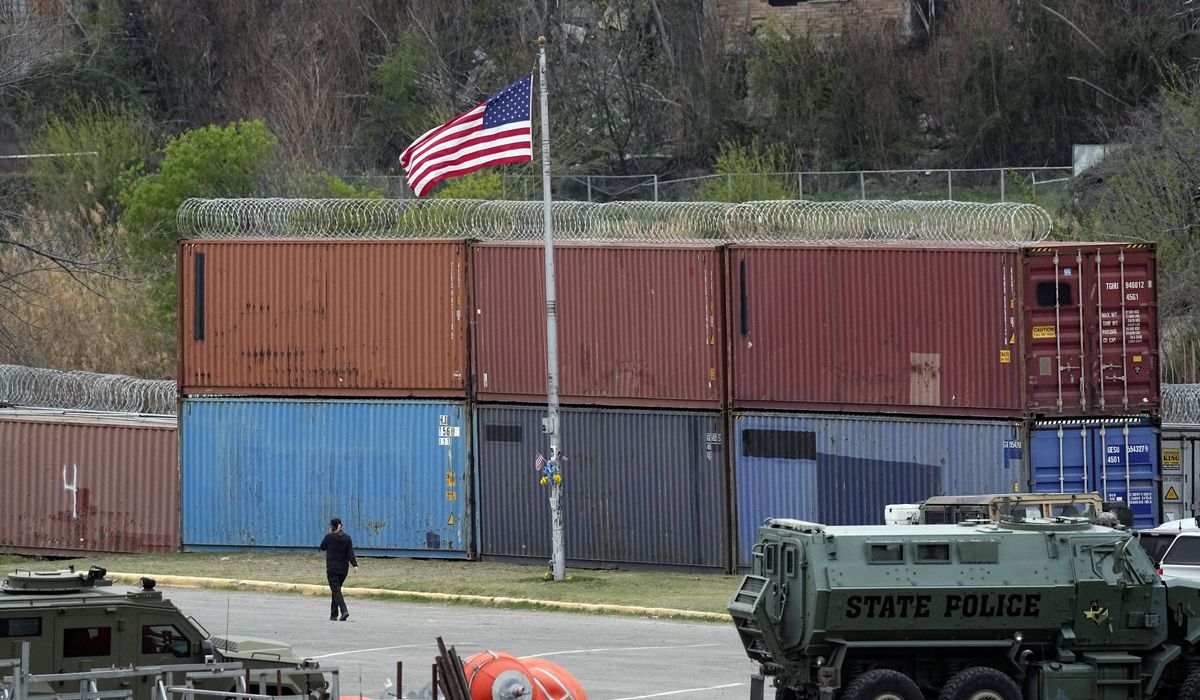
<point>550,424</point>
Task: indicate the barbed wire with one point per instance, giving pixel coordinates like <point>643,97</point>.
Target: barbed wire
<point>748,222</point>
<point>1181,403</point>
<point>88,391</point>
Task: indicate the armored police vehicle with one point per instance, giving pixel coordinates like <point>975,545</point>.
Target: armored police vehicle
<point>69,622</point>
<point>1036,610</point>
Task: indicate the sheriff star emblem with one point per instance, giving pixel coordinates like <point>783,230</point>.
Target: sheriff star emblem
<point>1096,614</point>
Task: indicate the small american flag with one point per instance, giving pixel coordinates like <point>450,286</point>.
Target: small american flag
<point>497,131</point>
<point>539,462</point>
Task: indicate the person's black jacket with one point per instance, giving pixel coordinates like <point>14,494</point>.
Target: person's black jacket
<point>339,552</point>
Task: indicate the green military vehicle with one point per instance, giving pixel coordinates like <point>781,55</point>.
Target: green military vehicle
<point>1036,610</point>
<point>69,622</point>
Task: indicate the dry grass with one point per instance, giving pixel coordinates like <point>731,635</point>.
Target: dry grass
<point>685,591</point>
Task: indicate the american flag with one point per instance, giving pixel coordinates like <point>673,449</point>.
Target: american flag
<point>497,131</point>
<point>539,462</point>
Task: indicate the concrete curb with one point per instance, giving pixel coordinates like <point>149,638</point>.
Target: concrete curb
<point>490,601</point>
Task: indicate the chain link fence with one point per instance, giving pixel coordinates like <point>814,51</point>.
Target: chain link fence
<point>806,221</point>
<point>85,391</point>
<point>1047,186</point>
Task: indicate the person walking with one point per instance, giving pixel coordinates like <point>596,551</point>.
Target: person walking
<point>339,557</point>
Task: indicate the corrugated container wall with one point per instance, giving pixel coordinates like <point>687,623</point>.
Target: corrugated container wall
<point>943,331</point>
<point>844,469</point>
<point>636,325</point>
<point>88,483</point>
<point>640,487</point>
<point>271,473</point>
<point>333,318</point>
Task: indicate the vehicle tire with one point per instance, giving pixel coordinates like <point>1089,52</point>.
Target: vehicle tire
<point>980,683</point>
<point>882,684</point>
<point>1190,690</point>
<point>785,693</point>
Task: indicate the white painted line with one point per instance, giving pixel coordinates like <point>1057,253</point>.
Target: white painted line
<point>678,692</point>
<point>364,651</point>
<point>589,651</point>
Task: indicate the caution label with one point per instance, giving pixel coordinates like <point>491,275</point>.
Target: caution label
<point>1041,332</point>
<point>1171,495</point>
<point>1006,357</point>
<point>1171,457</point>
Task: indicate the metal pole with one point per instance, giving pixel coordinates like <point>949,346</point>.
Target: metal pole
<point>862,185</point>
<point>1001,184</point>
<point>557,557</point>
<point>950,185</point>
<point>656,187</point>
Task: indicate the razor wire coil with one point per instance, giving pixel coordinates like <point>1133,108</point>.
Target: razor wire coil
<point>1181,404</point>
<point>662,222</point>
<point>86,391</point>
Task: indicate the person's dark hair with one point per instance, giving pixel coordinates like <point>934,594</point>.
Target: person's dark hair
<point>335,522</point>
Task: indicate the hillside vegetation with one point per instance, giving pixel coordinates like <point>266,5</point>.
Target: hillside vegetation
<point>154,101</point>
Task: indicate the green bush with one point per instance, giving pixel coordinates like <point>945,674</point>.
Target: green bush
<point>751,174</point>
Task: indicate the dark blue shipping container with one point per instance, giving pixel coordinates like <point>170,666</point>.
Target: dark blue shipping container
<point>1118,459</point>
<point>639,487</point>
<point>270,473</point>
<point>843,469</point>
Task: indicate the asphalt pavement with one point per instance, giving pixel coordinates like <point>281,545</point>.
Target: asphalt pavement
<point>613,657</point>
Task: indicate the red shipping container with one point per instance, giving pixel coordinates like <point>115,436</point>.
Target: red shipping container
<point>637,325</point>
<point>323,318</point>
<point>944,330</point>
<point>88,483</point>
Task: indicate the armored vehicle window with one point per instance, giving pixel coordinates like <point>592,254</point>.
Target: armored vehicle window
<point>933,553</point>
<point>21,627</point>
<point>164,639</point>
<point>1185,550</point>
<point>770,555</point>
<point>979,552</point>
<point>782,444</point>
<point>891,553</point>
<point>87,641</point>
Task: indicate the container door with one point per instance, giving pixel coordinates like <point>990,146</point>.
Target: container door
<point>1056,337</point>
<point>1180,457</point>
<point>1060,460</point>
<point>1127,469</point>
<point>1123,367</point>
<point>1091,334</point>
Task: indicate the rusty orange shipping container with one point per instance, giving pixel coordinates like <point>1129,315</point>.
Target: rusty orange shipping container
<point>323,318</point>
<point>1047,330</point>
<point>88,483</point>
<point>637,325</point>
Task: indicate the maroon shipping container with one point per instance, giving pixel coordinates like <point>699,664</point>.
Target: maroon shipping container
<point>944,330</point>
<point>88,483</point>
<point>637,325</point>
<point>323,318</point>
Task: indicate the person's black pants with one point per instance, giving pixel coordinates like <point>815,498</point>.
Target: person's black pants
<point>338,604</point>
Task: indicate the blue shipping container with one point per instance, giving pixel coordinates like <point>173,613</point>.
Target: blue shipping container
<point>1118,459</point>
<point>843,470</point>
<point>639,487</point>
<point>270,473</point>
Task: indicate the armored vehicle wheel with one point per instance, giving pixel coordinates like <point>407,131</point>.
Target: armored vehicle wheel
<point>882,684</point>
<point>1190,690</point>
<point>981,683</point>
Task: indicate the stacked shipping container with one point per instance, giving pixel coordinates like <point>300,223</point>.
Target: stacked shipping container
<point>305,326</point>
<point>849,376</point>
<point>87,482</point>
